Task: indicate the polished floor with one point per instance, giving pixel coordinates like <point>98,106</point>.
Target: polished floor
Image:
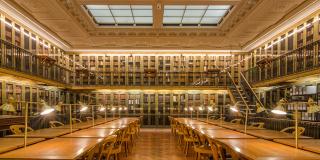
<point>156,144</point>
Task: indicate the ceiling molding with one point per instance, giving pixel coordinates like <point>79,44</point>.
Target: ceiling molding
<point>19,17</point>
<point>302,14</point>
<point>152,50</point>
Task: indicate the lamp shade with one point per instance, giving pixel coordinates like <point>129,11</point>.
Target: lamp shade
<point>235,107</point>
<point>58,106</point>
<point>260,108</point>
<point>102,108</point>
<point>279,109</point>
<point>46,109</point>
<point>83,107</point>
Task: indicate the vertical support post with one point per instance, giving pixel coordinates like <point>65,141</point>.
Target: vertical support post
<point>105,115</point>
<point>92,110</point>
<point>246,122</point>
<point>296,124</point>
<point>25,125</point>
<point>70,114</point>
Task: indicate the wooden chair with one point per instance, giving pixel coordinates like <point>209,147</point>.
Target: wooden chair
<point>188,138</point>
<point>92,154</point>
<point>89,118</point>
<point>200,147</point>
<point>107,145</point>
<point>237,121</point>
<point>127,139</point>
<point>216,150</point>
<point>117,149</point>
<point>19,129</point>
<point>293,129</point>
<point>179,131</point>
<point>75,120</point>
<point>54,124</point>
<point>172,125</point>
<point>257,124</point>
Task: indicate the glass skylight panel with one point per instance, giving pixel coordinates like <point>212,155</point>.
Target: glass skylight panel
<point>101,13</point>
<point>121,15</point>
<point>172,20</point>
<point>215,13</point>
<point>194,15</point>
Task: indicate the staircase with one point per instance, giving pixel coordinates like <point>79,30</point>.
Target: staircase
<point>243,94</point>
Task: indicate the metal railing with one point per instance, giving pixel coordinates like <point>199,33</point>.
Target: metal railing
<point>301,59</point>
<point>251,95</point>
<point>21,60</point>
<point>236,92</point>
<point>149,79</point>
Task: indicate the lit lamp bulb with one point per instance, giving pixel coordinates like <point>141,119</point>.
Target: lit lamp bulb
<point>46,108</point>
<point>83,107</point>
<point>102,109</point>
<point>185,109</point>
<point>200,108</point>
<point>113,109</point>
<point>210,109</point>
<point>191,109</point>
<point>125,108</point>
<point>279,108</point>
<point>120,108</point>
<point>234,109</point>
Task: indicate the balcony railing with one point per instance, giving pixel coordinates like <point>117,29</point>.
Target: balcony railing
<point>44,66</point>
<point>149,79</point>
<point>21,60</point>
<point>305,58</point>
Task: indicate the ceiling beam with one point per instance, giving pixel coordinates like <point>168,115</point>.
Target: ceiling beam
<point>157,14</point>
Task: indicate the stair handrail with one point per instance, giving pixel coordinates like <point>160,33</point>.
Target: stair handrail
<point>252,91</point>
<point>234,84</point>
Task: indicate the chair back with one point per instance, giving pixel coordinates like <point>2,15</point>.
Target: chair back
<point>237,121</point>
<point>107,145</point>
<point>89,118</point>
<point>258,124</point>
<point>19,129</point>
<point>293,130</point>
<point>54,124</point>
<point>75,120</point>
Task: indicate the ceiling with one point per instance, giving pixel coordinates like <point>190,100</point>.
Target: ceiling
<point>71,22</point>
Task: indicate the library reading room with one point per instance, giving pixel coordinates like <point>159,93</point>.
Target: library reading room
<point>160,79</point>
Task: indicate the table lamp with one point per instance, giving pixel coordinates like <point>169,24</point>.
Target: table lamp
<point>58,106</point>
<point>260,108</point>
<point>9,105</point>
<point>83,107</point>
<point>279,109</point>
<point>46,109</point>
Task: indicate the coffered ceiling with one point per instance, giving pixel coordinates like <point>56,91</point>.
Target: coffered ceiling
<point>71,22</point>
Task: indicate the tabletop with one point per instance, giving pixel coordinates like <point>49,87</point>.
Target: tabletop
<point>44,133</point>
<point>272,134</point>
<point>87,124</point>
<point>111,125</point>
<point>223,133</point>
<point>91,133</point>
<point>189,121</point>
<point>57,148</point>
<point>312,145</point>
<point>8,144</point>
<point>239,127</point>
<point>261,149</point>
<point>204,126</point>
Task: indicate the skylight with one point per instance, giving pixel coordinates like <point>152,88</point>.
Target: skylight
<point>121,15</point>
<point>194,15</point>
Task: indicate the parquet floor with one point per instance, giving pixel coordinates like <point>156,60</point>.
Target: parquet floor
<point>156,144</point>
